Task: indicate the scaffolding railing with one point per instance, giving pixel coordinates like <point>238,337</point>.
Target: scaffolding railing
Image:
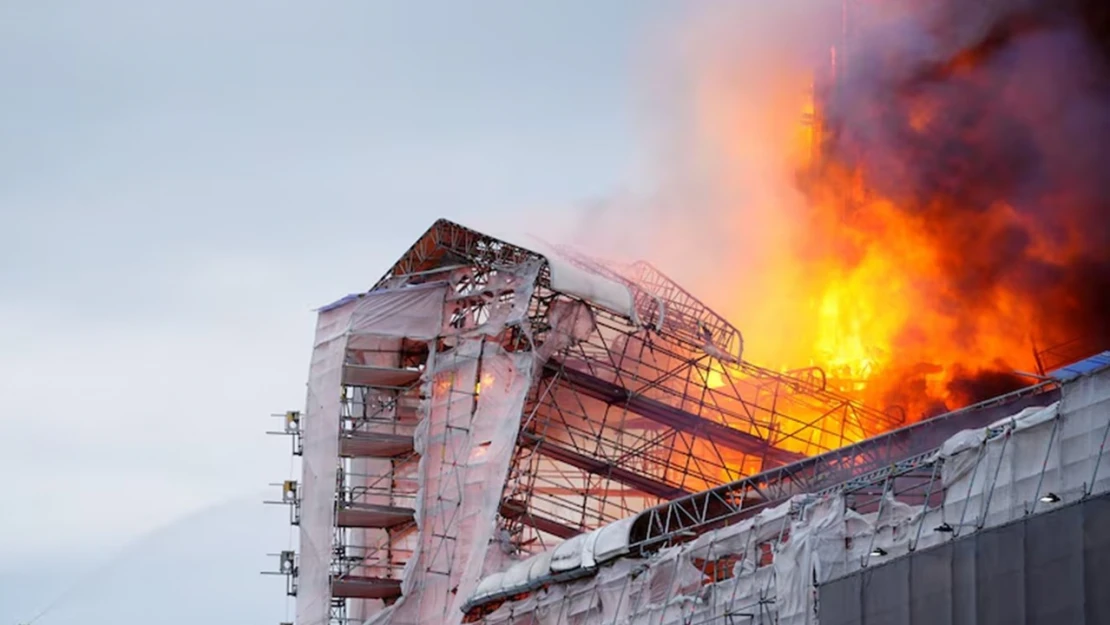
<point>1009,463</point>
<point>672,374</point>
<point>903,449</point>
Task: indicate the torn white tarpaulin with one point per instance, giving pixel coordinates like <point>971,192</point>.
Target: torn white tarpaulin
<point>571,323</point>
<point>594,288</point>
<point>505,298</point>
<point>477,392</point>
<point>412,312</point>
<point>963,450</point>
<point>970,439</point>
<point>319,462</point>
<point>571,279</point>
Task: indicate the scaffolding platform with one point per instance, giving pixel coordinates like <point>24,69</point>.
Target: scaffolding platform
<point>379,377</point>
<point>553,394</point>
<point>375,445</point>
<point>357,587</point>
<point>373,516</point>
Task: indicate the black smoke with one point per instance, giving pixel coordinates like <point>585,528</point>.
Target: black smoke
<point>969,387</point>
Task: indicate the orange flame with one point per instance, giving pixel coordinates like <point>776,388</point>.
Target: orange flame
<point>835,276</point>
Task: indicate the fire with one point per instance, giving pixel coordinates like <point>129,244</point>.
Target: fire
<point>882,322</point>
<point>485,381</point>
<point>893,238</point>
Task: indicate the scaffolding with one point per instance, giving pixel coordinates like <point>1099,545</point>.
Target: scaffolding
<point>485,401</point>
<point>1010,461</point>
<point>486,404</point>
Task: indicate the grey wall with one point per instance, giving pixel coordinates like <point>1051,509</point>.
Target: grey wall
<point>1048,569</point>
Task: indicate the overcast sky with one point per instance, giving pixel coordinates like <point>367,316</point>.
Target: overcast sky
<point>180,184</point>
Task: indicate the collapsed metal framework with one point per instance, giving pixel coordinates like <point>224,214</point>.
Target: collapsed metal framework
<point>914,476</point>
<point>627,409</point>
<point>904,459</point>
<point>649,413</point>
<point>635,411</point>
<point>983,466</point>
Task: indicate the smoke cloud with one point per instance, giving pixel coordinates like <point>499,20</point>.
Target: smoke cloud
<point>715,204</point>
<point>989,123</point>
<point>948,216</point>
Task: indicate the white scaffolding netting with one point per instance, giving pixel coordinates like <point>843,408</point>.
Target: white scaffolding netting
<point>569,278</point>
<point>468,403</point>
<point>414,312</point>
<point>432,364</point>
<point>466,442</point>
<point>320,463</point>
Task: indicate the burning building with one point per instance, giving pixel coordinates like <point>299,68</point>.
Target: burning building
<point>954,227</point>
<point>485,401</point>
<point>523,434</point>
<point>508,434</point>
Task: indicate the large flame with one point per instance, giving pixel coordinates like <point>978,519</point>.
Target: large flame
<point>922,253</point>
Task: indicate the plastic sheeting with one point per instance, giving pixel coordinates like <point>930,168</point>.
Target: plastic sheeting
<point>319,463</point>
<point>569,278</point>
<point>598,290</point>
<point>468,423</point>
<point>414,312</point>
<point>468,427</point>
<point>475,392</point>
<point>466,443</point>
<point>364,330</point>
<point>571,323</point>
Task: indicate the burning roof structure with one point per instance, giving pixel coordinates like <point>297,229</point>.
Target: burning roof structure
<point>1004,523</point>
<point>938,218</point>
<point>523,434</point>
<point>490,423</point>
<point>485,401</point>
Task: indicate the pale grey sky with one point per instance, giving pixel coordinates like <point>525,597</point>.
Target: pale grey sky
<point>180,183</point>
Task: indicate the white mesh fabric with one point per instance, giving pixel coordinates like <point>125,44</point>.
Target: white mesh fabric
<point>320,463</point>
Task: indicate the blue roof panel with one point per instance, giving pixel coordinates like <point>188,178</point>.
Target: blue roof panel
<point>1083,367</point>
